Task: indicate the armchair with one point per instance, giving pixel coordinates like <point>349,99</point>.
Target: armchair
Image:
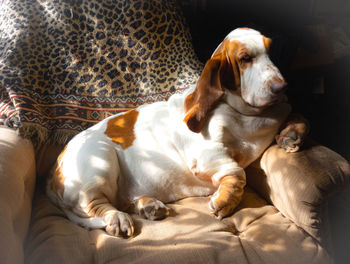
<point>284,214</point>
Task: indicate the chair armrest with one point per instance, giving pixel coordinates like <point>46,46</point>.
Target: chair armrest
<point>300,184</point>
<point>17,181</point>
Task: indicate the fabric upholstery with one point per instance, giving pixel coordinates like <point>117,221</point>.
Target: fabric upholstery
<point>255,233</point>
<point>46,156</point>
<point>300,184</point>
<point>69,64</point>
<point>17,180</point>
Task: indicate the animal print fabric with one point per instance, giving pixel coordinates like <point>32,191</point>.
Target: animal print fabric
<point>65,65</point>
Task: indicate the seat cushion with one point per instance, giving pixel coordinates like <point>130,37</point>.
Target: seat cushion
<point>255,233</point>
<point>17,180</point>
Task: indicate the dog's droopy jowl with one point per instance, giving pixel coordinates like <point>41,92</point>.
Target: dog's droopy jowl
<point>196,144</point>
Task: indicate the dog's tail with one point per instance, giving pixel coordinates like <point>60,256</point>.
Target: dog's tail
<point>87,222</point>
<point>91,222</point>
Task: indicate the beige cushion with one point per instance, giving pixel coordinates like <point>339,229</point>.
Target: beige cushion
<point>256,233</point>
<point>17,180</point>
<point>300,184</point>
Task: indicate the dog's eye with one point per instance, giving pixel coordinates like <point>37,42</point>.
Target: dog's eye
<point>246,58</point>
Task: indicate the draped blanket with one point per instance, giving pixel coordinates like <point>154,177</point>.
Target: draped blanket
<point>65,65</point>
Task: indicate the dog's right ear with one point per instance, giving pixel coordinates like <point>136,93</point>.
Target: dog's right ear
<point>221,68</point>
<point>207,93</point>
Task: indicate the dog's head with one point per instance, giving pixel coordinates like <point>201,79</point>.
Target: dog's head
<point>240,66</point>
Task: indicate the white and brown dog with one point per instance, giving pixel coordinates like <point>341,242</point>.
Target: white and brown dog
<point>195,144</point>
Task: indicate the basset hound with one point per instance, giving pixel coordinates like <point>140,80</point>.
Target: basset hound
<point>198,143</point>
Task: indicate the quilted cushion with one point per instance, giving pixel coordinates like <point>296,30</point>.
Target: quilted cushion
<point>255,233</point>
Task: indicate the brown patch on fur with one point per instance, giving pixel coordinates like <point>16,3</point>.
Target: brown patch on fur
<point>222,69</point>
<point>228,196</point>
<point>230,191</point>
<point>241,52</point>
<point>142,202</point>
<point>267,43</point>
<point>117,223</point>
<point>58,178</point>
<point>100,206</point>
<point>151,208</point>
<point>232,49</point>
<point>206,95</point>
<point>121,128</point>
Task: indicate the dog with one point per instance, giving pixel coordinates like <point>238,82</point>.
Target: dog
<point>198,143</point>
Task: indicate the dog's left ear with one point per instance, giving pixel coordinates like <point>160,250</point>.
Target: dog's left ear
<point>209,89</point>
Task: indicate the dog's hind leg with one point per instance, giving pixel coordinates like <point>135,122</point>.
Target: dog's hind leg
<point>100,213</point>
<point>87,178</point>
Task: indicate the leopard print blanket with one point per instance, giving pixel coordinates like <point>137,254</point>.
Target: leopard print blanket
<point>67,64</point>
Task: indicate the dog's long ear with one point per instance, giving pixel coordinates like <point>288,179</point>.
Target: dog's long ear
<point>208,91</point>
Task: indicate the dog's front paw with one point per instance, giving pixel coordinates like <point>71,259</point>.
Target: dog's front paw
<point>119,224</point>
<point>292,137</point>
<point>220,208</point>
<point>152,209</point>
<point>227,197</point>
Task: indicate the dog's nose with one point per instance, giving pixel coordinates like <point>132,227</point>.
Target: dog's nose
<point>278,87</point>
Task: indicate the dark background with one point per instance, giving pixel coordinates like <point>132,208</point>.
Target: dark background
<point>306,37</point>
<point>319,81</point>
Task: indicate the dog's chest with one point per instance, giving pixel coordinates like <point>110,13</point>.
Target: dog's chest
<point>246,137</point>
<point>248,143</point>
